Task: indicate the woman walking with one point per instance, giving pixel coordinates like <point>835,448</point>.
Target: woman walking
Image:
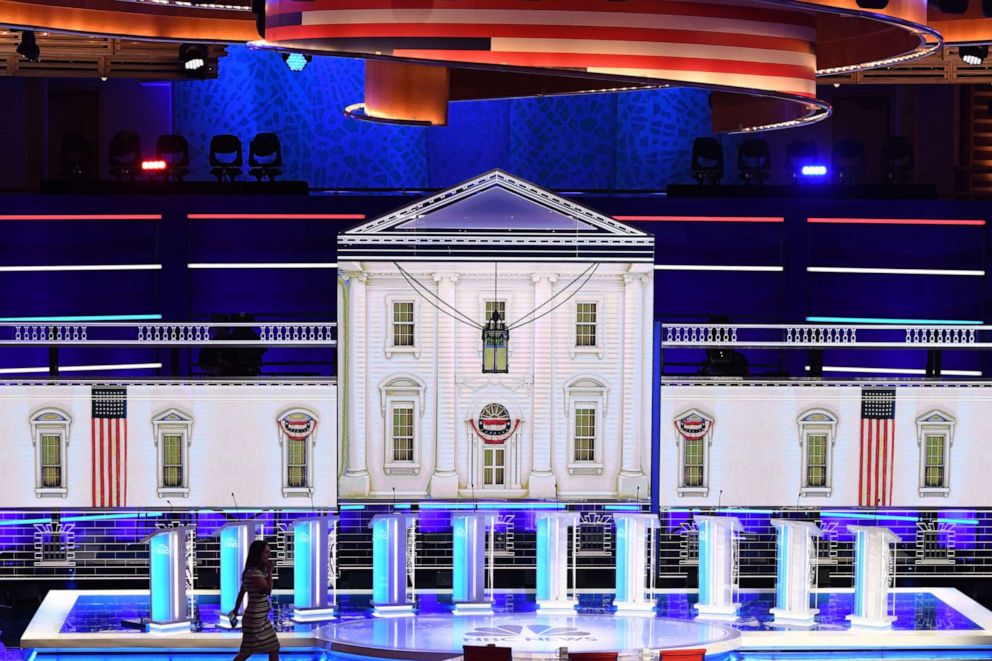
<point>258,634</point>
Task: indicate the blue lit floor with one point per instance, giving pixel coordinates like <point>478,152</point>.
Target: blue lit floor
<point>938,623</point>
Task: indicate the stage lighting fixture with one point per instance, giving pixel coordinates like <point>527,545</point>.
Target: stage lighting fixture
<point>873,4</point>
<point>707,160</point>
<point>296,61</point>
<point>28,48</point>
<point>193,57</point>
<point>801,154</point>
<point>974,55</point>
<point>953,6</point>
<point>814,171</point>
<point>754,160</point>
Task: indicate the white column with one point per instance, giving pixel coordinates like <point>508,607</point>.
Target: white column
<point>355,481</point>
<point>444,482</point>
<point>542,479</point>
<point>647,374</point>
<point>632,482</point>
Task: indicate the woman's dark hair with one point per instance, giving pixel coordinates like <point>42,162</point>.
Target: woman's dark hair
<point>255,553</point>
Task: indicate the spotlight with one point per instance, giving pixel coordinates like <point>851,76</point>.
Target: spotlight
<point>28,48</point>
<point>296,61</point>
<point>193,57</point>
<point>953,6</point>
<point>873,4</point>
<point>814,171</point>
<point>974,55</point>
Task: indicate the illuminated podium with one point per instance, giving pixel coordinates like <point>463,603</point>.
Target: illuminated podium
<point>390,549</point>
<point>167,549</point>
<point>717,566</point>
<point>633,531</point>
<point>552,561</point>
<point>311,568</point>
<point>469,562</point>
<point>872,573</point>
<point>235,538</point>
<point>795,551</point>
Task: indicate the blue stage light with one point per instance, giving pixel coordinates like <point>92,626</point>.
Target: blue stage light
<point>296,61</point>
<point>814,170</point>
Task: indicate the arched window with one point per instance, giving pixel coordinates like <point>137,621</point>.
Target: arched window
<point>297,436</point>
<point>50,436</point>
<point>817,434</point>
<point>694,435</point>
<point>402,403</point>
<point>173,432</point>
<point>935,436</point>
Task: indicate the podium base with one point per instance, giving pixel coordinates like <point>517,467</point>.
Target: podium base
<point>642,608</point>
<point>473,608</point>
<point>726,613</point>
<point>166,628</point>
<point>784,616</point>
<point>314,614</point>
<point>392,610</point>
<point>569,606</point>
<point>871,622</point>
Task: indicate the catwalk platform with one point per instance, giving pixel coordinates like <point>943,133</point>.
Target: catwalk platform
<point>933,619</point>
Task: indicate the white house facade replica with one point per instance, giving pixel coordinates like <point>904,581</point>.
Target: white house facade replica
<point>557,403</point>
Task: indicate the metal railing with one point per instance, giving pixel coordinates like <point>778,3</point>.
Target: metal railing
<point>169,334</point>
<point>817,336</point>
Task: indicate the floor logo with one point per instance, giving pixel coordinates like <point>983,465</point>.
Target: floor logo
<point>529,633</point>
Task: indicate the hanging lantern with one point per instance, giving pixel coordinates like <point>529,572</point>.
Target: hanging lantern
<point>495,339</point>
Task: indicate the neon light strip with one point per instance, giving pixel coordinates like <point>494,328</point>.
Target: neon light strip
<point>847,269</point>
<point>892,221</point>
<point>703,219</point>
<point>896,321</point>
<point>83,267</point>
<point>261,265</point>
<point>81,368</point>
<point>490,506</point>
<point>84,216</point>
<point>95,317</point>
<point>275,216</point>
<point>353,507</point>
<point>111,517</point>
<point>743,510</point>
<point>18,522</point>
<point>623,508</point>
<point>713,267</point>
<point>892,517</point>
<point>895,370</point>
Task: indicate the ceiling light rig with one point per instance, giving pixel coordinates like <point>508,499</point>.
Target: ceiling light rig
<point>496,331</point>
<point>296,61</point>
<point>974,55</point>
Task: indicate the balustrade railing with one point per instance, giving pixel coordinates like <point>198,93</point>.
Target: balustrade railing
<point>165,334</point>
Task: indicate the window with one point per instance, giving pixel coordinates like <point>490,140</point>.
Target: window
<point>585,324</point>
<point>935,437</point>
<point>497,306</point>
<point>50,436</point>
<point>692,467</point>
<point>586,406</point>
<point>934,541</point>
<point>297,436</point>
<point>817,434</point>
<point>54,544</point>
<point>403,431</point>
<point>585,434</point>
<point>173,432</point>
<point>401,398</point>
<point>401,326</point>
<point>493,474</point>
<point>595,534</point>
<point>693,436</point>
<point>588,337</point>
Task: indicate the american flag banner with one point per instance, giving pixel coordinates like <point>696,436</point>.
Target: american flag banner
<point>878,440</point>
<point>109,445</point>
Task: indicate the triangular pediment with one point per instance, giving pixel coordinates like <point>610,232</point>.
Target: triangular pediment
<point>494,203</point>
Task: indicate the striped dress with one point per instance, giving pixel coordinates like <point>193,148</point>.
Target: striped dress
<point>259,636</point>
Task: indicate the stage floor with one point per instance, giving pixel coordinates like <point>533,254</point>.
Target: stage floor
<point>927,619</point>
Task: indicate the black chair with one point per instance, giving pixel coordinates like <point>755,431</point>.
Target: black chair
<point>849,161</point>
<point>75,156</point>
<point>897,159</point>
<point>125,155</point>
<point>754,160</point>
<point>265,156</point>
<point>800,153</point>
<point>174,150</point>
<point>226,157</point>
<point>707,160</point>
<point>486,653</point>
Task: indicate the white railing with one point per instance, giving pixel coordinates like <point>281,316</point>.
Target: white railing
<point>164,334</point>
<point>824,336</point>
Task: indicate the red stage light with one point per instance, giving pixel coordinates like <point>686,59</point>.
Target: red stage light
<point>153,166</point>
